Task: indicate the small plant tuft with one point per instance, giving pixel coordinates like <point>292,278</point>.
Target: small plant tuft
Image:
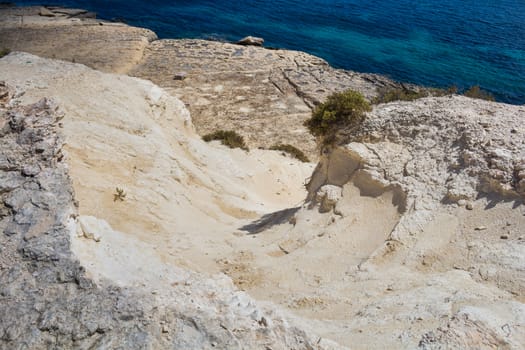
<point>227,138</point>
<point>476,92</point>
<point>4,52</point>
<point>402,93</point>
<point>341,110</point>
<point>291,150</point>
<point>119,195</point>
<point>452,90</point>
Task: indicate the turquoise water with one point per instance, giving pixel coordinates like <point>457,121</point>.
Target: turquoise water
<point>435,43</point>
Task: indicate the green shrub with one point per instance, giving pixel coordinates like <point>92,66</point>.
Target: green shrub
<point>228,138</point>
<point>341,110</point>
<point>291,150</point>
<point>4,52</point>
<point>476,92</point>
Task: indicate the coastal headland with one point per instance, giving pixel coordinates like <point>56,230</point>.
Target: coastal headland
<point>122,228</point>
<point>263,94</point>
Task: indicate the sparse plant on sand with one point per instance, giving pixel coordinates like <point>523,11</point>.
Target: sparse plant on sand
<point>119,194</point>
<point>228,138</point>
<point>291,150</point>
<point>341,110</point>
<point>476,92</point>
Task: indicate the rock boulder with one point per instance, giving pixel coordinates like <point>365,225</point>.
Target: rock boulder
<point>251,41</point>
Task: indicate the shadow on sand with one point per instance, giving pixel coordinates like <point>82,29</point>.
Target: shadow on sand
<point>269,220</point>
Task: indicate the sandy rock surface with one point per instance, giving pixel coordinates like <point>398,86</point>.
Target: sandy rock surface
<point>63,289</point>
<point>380,252</point>
<point>73,35</point>
<point>453,258</point>
<point>263,94</point>
<point>411,233</point>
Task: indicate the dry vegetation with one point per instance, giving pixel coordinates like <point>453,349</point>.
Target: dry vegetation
<point>291,150</point>
<point>477,92</point>
<point>228,138</point>
<point>4,52</point>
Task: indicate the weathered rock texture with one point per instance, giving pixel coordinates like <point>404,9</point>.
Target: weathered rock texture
<point>265,95</point>
<point>419,242</point>
<point>48,301</point>
<point>72,35</point>
<point>452,167</point>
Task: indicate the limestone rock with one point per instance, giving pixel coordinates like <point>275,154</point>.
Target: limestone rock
<point>92,228</point>
<point>327,197</point>
<point>77,13</point>
<point>54,32</point>
<point>50,300</point>
<point>397,263</point>
<point>251,41</point>
<point>265,95</point>
<point>46,12</point>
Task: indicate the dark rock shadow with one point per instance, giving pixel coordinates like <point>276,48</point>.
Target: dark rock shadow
<point>269,220</point>
<point>494,199</point>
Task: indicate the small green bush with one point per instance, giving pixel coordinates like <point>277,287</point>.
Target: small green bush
<point>227,138</point>
<point>476,92</point>
<point>341,110</point>
<point>4,52</point>
<point>291,150</point>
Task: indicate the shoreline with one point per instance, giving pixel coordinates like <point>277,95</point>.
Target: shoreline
<point>505,91</point>
<point>87,14</point>
<point>264,94</point>
<point>405,235</point>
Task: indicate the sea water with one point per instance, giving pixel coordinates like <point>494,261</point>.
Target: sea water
<point>434,43</point>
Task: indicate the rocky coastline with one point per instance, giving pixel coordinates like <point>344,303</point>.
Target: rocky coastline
<point>264,94</point>
<point>409,233</point>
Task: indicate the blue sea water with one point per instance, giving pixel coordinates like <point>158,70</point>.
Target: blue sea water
<point>435,43</point>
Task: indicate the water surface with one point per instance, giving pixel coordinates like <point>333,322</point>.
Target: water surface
<point>435,43</point>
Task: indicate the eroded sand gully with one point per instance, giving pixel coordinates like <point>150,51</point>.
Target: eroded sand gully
<point>212,209</point>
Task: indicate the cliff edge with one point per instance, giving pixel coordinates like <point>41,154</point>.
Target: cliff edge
<point>123,229</point>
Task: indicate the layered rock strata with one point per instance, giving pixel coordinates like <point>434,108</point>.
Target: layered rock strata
<point>73,35</point>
